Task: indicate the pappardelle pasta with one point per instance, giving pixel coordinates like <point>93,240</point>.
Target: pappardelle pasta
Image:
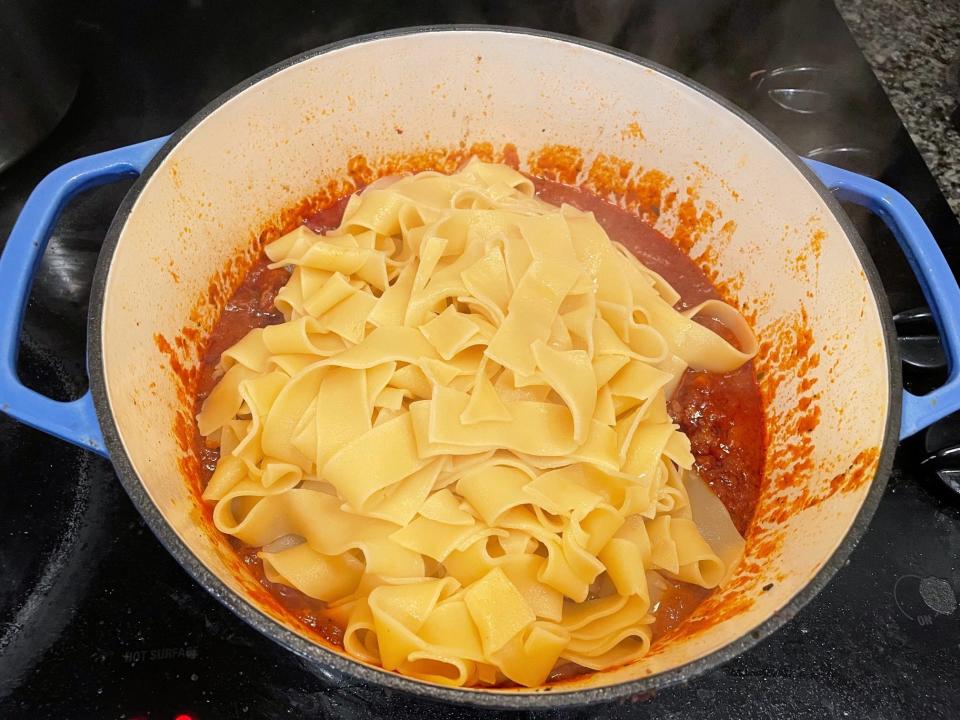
<point>458,438</point>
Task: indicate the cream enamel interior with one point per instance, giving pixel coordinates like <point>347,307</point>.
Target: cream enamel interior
<point>281,139</point>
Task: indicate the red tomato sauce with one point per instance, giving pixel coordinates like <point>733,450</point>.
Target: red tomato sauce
<point>721,414</point>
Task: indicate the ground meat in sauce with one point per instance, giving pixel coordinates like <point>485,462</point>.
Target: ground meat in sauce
<point>721,414</point>
<point>726,452</point>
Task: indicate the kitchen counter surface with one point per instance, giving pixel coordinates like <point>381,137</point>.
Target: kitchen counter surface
<point>914,49</point>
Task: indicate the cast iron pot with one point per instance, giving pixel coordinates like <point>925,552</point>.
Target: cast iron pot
<point>765,222</point>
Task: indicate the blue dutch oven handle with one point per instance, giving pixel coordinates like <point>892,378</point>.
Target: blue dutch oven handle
<point>75,421</point>
<point>936,279</point>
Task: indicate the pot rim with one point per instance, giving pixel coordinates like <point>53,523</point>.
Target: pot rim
<point>315,653</point>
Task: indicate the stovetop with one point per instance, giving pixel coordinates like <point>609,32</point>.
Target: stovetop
<point>98,621</point>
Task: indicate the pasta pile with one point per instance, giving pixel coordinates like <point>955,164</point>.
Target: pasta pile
<point>458,439</point>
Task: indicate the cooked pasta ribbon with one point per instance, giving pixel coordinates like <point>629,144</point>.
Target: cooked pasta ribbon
<point>458,438</point>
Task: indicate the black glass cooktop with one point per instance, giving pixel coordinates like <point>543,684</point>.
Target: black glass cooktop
<point>97,621</point>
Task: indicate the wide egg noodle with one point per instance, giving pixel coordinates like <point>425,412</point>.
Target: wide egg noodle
<point>458,439</point>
